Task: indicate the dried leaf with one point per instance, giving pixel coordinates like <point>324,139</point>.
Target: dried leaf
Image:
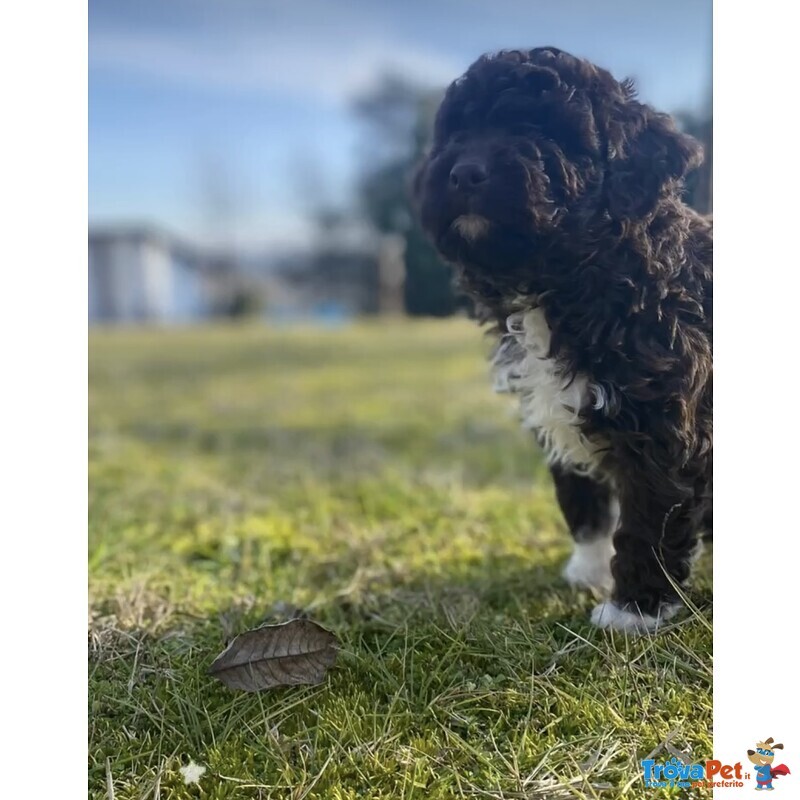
<point>293,653</point>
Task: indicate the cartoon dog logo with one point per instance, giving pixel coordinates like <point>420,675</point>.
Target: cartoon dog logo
<point>762,757</point>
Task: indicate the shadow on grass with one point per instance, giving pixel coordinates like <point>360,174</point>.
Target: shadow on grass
<point>460,667</point>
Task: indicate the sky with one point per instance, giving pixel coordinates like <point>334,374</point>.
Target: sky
<point>229,121</point>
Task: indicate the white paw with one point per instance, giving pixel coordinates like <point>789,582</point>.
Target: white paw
<point>610,615</point>
<point>590,564</point>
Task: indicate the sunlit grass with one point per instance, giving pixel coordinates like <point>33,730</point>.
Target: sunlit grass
<point>369,477</point>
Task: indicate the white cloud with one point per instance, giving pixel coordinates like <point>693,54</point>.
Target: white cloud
<point>321,70</point>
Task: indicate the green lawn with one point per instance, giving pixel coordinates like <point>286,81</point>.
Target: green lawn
<point>369,477</point>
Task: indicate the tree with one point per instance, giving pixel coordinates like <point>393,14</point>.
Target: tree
<point>699,183</point>
<point>399,116</point>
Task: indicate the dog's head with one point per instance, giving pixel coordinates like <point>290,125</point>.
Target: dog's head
<point>533,147</point>
<point>764,752</point>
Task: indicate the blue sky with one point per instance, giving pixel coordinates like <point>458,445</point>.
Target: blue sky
<point>250,101</point>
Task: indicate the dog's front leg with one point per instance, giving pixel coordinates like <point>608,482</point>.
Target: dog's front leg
<point>591,512</point>
<point>653,547</point>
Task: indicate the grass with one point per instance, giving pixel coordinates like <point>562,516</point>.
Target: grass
<point>369,477</point>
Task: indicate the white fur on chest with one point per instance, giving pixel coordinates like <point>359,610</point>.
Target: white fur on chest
<point>550,401</point>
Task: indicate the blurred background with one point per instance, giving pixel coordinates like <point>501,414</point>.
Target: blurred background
<point>248,158</point>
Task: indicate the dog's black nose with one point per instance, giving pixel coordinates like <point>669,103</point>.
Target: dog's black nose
<point>467,175</point>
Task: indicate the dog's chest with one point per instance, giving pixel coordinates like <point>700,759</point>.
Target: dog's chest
<point>550,400</point>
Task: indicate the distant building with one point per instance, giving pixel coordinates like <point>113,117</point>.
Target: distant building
<point>352,271</point>
<point>145,275</point>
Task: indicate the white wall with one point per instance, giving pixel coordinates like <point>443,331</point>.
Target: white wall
<point>190,295</point>
<point>143,281</point>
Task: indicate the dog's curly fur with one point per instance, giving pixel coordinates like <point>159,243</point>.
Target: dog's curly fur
<point>569,202</point>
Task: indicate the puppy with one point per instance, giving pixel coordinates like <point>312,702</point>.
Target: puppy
<point>556,196</point>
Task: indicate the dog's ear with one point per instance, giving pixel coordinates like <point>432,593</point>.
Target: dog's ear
<point>640,169</point>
